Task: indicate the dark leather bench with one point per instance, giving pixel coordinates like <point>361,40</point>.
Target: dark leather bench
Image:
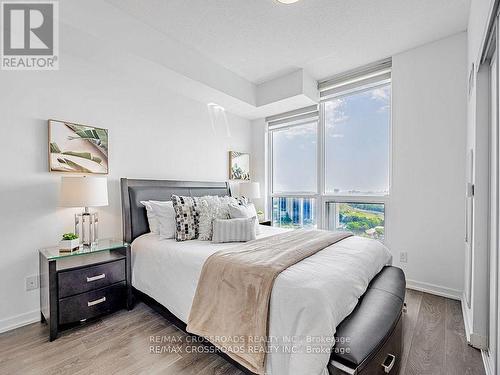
<point>369,340</point>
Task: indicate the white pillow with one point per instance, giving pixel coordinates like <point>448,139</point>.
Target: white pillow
<point>211,207</point>
<point>238,211</point>
<point>234,230</point>
<point>164,215</point>
<point>152,220</point>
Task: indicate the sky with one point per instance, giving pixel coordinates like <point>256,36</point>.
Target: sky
<point>356,145</point>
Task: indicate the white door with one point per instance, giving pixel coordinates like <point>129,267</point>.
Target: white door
<point>494,210</point>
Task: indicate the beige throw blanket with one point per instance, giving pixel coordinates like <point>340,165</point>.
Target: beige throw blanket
<point>231,304</point>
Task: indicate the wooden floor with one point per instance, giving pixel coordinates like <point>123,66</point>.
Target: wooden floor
<point>434,343</point>
<point>434,338</point>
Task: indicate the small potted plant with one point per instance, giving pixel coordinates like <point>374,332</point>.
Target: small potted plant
<point>260,215</point>
<point>69,242</point>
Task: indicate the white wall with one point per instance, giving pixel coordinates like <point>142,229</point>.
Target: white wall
<point>154,133</point>
<point>425,215</point>
<point>429,130</point>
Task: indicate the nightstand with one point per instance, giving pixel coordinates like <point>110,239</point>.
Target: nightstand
<point>266,222</point>
<point>83,284</point>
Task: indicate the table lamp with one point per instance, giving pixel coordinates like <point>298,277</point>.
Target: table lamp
<point>85,192</point>
<point>250,190</point>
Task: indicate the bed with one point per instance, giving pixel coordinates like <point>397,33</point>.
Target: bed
<point>333,292</point>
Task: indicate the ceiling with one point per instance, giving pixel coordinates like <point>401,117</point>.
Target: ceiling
<point>262,39</point>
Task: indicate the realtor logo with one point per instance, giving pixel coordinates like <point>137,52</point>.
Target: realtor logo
<point>30,37</point>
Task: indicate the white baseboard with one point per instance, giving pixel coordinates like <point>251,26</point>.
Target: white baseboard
<point>438,290</point>
<point>19,320</point>
<point>488,366</point>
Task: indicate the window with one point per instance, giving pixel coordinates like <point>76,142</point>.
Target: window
<point>363,219</point>
<point>294,212</point>
<point>330,166</point>
<point>357,129</point>
<point>294,146</point>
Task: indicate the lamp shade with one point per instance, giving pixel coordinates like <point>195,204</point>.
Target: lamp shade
<point>250,190</point>
<point>83,192</point>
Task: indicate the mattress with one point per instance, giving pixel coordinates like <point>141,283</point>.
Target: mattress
<point>308,301</point>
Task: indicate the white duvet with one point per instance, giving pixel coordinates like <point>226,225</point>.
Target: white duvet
<point>308,301</point>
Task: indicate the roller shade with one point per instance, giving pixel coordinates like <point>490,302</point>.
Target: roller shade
<point>367,76</point>
<point>295,117</point>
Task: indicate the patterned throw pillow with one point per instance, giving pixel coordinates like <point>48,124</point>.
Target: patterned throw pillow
<point>208,208</point>
<point>212,207</point>
<point>186,217</point>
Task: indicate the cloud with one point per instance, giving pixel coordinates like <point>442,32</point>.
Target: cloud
<point>335,114</point>
<point>301,130</point>
<point>383,109</point>
<point>381,93</point>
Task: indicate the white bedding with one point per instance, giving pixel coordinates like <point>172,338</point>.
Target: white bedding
<point>308,299</point>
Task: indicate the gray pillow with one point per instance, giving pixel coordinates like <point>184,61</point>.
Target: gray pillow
<point>234,230</point>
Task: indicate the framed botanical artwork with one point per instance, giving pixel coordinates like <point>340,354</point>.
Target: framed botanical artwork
<point>239,165</point>
<point>77,148</point>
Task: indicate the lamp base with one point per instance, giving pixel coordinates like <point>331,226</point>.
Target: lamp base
<point>87,224</point>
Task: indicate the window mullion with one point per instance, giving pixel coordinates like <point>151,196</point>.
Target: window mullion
<point>270,175</point>
<point>321,168</point>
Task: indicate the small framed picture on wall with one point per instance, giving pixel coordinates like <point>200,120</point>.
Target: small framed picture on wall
<point>76,148</point>
<point>239,165</point>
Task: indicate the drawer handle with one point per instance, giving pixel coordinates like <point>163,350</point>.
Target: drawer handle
<point>94,278</point>
<point>389,363</point>
<point>96,302</point>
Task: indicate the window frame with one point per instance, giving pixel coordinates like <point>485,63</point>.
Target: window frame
<point>321,196</point>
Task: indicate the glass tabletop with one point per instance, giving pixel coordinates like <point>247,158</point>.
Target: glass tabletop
<point>101,245</point>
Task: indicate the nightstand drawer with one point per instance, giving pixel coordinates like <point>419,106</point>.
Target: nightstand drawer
<point>90,278</point>
<point>91,304</point>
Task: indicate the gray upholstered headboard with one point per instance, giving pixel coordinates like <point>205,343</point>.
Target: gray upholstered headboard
<point>135,222</point>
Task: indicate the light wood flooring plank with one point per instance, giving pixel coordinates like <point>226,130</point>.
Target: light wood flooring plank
<point>426,356</point>
<point>460,358</point>
<point>413,300</point>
